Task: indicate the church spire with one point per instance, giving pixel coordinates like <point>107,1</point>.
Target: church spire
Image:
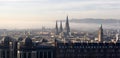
<point>61,28</point>
<point>56,29</point>
<point>67,27</point>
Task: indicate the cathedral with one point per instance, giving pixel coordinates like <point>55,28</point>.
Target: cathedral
<point>64,32</point>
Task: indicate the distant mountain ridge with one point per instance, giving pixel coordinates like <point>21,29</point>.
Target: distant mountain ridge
<point>97,21</point>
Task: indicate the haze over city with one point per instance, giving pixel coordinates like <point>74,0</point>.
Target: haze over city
<point>59,28</point>
<point>23,14</point>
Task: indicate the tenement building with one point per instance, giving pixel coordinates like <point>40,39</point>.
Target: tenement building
<point>87,50</point>
<point>8,47</point>
<point>29,49</point>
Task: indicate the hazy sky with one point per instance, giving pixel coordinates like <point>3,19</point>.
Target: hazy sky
<point>35,13</point>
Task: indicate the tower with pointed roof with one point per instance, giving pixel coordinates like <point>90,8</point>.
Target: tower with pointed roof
<point>67,27</point>
<point>100,34</point>
<point>61,28</point>
<point>117,33</point>
<point>56,29</point>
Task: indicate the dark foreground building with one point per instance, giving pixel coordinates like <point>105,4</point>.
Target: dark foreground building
<point>29,49</point>
<point>8,48</point>
<point>88,50</point>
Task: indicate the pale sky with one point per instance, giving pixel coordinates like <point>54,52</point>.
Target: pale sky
<point>37,13</point>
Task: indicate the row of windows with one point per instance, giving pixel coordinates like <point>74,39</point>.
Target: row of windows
<point>88,47</point>
<point>36,55</point>
<point>91,51</point>
<point>88,55</point>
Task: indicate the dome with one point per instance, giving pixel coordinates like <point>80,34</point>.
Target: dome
<point>6,40</point>
<point>44,40</point>
<point>28,41</point>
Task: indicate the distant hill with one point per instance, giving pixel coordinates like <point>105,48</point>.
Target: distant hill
<point>97,21</point>
<point>93,24</point>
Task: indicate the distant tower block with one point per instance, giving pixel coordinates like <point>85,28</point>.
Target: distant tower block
<point>56,29</point>
<point>100,34</point>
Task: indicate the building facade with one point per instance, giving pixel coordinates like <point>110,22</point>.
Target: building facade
<point>88,50</point>
<point>29,49</point>
<point>8,48</point>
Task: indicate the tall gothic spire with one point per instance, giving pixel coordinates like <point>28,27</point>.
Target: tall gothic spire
<point>56,29</point>
<point>61,28</point>
<point>67,27</point>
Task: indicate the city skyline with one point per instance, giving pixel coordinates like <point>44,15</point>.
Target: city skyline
<point>25,14</point>
<point>59,29</point>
